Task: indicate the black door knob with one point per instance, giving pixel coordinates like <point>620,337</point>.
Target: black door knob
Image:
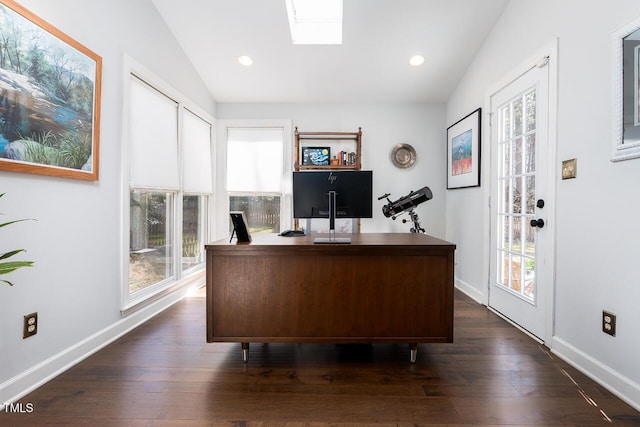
<point>537,223</point>
<point>540,203</point>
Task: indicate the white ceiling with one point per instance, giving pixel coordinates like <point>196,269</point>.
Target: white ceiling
<point>379,37</point>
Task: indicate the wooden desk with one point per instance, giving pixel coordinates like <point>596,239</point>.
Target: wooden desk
<point>380,288</point>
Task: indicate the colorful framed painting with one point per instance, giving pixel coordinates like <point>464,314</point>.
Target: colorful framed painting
<point>463,152</point>
<point>49,98</point>
<point>315,156</point>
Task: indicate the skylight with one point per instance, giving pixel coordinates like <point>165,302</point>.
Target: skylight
<point>315,21</point>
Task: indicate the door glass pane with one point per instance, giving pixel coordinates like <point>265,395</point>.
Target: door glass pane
<point>516,272</point>
<point>505,128</point>
<point>530,157</point>
<point>530,239</point>
<point>506,238</point>
<point>517,195</point>
<point>530,182</point>
<point>503,268</point>
<point>517,117</point>
<point>530,105</point>
<point>506,159</point>
<point>502,187</point>
<point>516,234</point>
<point>516,160</point>
<point>529,277</point>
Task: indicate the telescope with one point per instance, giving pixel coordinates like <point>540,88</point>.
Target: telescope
<point>407,203</point>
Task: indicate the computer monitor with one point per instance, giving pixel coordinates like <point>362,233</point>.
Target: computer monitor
<point>333,194</point>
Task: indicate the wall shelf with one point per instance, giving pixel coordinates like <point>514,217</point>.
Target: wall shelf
<point>302,139</point>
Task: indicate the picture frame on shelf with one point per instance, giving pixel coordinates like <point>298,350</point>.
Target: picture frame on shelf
<point>316,156</point>
<point>463,151</point>
<point>52,124</point>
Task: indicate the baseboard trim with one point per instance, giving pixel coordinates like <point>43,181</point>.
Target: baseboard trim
<point>469,290</point>
<point>616,383</point>
<point>34,377</point>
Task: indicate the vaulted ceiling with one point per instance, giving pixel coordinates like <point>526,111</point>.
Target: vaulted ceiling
<point>371,65</point>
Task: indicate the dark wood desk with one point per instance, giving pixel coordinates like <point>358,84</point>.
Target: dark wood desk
<point>380,288</point>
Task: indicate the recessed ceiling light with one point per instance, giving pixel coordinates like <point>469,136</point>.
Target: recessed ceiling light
<point>245,60</point>
<point>416,60</point>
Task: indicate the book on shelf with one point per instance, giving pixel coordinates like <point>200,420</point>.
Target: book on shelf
<point>345,158</point>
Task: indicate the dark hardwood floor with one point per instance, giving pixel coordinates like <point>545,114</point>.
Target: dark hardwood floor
<point>165,374</point>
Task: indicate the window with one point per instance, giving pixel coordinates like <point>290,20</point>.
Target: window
<point>256,179</point>
<point>194,215</point>
<point>197,183</point>
<point>169,188</point>
<point>150,255</point>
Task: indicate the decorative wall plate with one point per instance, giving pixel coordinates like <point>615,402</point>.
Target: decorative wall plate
<point>403,156</point>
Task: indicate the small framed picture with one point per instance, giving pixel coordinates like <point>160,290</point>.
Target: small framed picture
<point>463,152</point>
<point>240,227</point>
<point>316,156</point>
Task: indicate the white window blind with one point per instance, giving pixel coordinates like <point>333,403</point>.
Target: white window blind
<point>196,155</point>
<point>153,138</point>
<point>254,159</point>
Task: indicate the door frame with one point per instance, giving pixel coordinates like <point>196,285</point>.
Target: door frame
<point>549,51</point>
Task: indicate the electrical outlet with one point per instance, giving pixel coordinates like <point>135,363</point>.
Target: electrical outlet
<point>608,323</point>
<point>30,326</point>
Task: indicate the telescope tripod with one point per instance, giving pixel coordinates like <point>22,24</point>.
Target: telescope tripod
<point>417,228</point>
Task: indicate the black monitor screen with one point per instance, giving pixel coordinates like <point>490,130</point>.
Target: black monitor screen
<point>354,194</point>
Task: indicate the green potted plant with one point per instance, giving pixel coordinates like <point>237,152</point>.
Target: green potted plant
<point>7,267</point>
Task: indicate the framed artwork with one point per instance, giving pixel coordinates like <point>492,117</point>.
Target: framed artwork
<point>626,97</point>
<point>315,156</point>
<point>240,228</point>
<point>636,85</point>
<point>49,98</point>
<point>463,152</point>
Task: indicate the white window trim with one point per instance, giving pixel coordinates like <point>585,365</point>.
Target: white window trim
<point>220,190</point>
<point>132,302</point>
<point>620,149</point>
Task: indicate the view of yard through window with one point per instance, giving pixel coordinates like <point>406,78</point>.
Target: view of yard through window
<point>262,212</point>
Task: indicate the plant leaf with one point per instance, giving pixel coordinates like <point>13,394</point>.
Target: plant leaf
<point>12,253</point>
<point>17,220</point>
<point>7,282</point>
<point>8,267</point>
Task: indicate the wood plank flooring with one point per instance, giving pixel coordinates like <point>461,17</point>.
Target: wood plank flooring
<point>165,374</point>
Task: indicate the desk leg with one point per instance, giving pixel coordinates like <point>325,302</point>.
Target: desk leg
<point>245,352</point>
<point>413,351</point>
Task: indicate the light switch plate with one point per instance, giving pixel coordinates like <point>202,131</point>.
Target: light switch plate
<point>569,168</point>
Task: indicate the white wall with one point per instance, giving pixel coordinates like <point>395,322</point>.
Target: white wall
<point>596,213</point>
<point>75,243</point>
<point>383,126</point>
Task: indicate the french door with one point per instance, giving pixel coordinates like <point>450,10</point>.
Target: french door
<point>521,246</point>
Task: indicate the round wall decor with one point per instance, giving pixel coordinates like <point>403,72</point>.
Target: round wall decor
<point>403,156</point>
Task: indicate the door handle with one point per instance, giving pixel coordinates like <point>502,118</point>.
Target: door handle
<point>537,223</point>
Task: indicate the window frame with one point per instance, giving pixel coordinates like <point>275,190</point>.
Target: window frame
<point>131,301</point>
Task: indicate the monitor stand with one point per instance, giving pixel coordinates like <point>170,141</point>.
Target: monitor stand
<point>332,239</point>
